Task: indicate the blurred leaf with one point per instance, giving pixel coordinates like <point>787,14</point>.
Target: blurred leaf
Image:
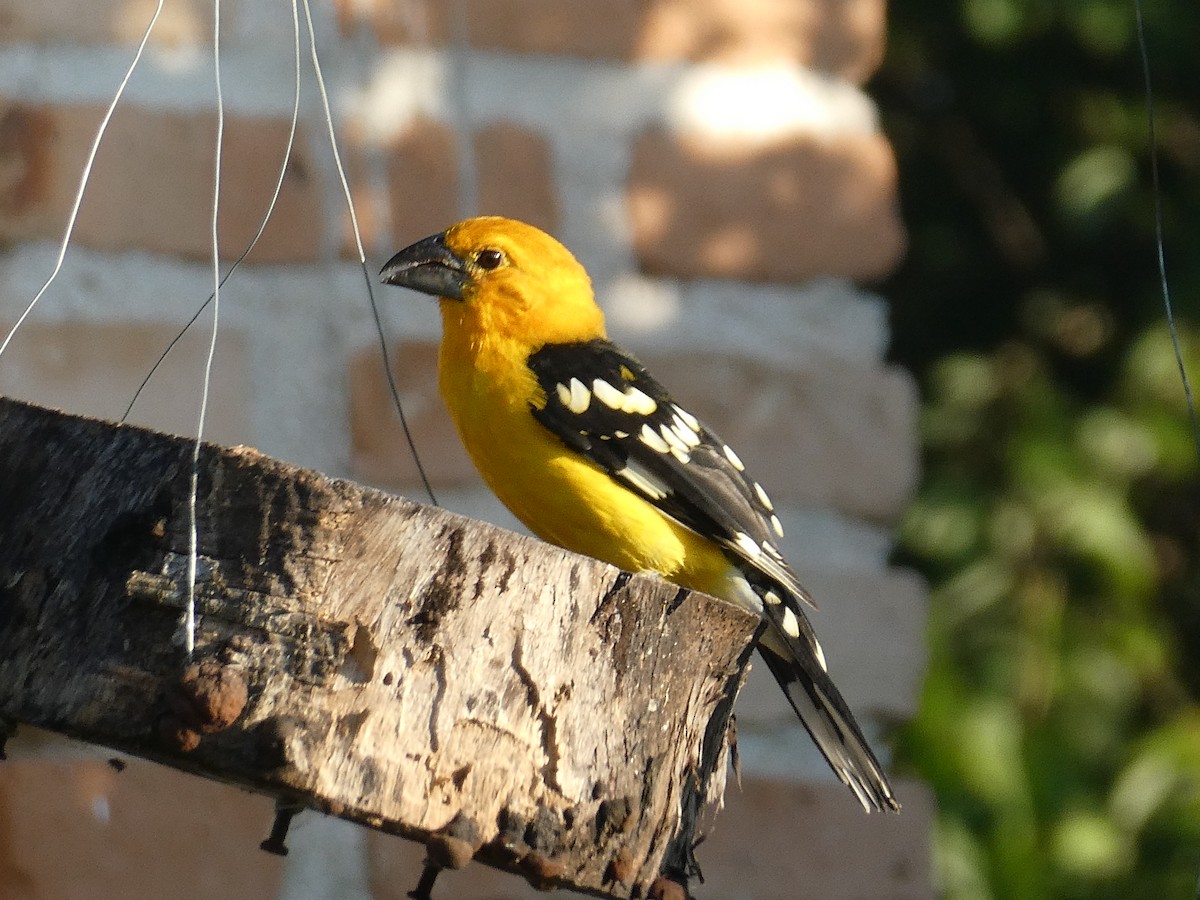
<point>1104,27</point>
<point>1012,529</point>
<point>1090,847</point>
<point>1097,524</point>
<point>1059,519</point>
<point>997,22</point>
<point>945,523</point>
<point>960,862</point>
<point>1093,180</point>
<point>989,753</point>
<point>1116,445</point>
<point>976,588</point>
<point>1142,788</point>
<point>1152,370</point>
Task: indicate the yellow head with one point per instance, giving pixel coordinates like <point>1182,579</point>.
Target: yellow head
<point>501,280</point>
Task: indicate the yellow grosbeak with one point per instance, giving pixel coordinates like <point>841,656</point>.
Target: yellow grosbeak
<point>592,454</point>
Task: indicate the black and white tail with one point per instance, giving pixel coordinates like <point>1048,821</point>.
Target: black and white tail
<point>829,721</point>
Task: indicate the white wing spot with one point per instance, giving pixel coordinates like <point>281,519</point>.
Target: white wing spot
<point>618,434</point>
<point>609,395</point>
<point>686,433</point>
<point>776,525</point>
<point>580,397</point>
<point>639,402</point>
<point>682,455</point>
<point>791,625</point>
<point>772,598</point>
<point>692,422</point>
<point>819,653</point>
<point>733,458</point>
<point>672,438</point>
<point>564,394</point>
<point>748,544</point>
<point>651,439</point>
<point>763,498</point>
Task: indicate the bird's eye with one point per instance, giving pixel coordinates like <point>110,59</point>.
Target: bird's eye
<point>489,259</point>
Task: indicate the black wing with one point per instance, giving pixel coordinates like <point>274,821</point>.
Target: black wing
<point>603,403</point>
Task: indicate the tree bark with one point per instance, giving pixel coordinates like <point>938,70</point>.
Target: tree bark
<point>382,661</point>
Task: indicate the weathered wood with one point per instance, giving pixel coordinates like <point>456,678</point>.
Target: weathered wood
<point>393,664</point>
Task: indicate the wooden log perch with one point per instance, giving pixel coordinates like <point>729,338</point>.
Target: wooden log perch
<point>396,665</point>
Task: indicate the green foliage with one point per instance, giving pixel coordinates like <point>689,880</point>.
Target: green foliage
<point>1059,519</point>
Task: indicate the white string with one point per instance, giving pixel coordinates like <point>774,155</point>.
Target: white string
<point>337,159</point>
<point>1158,228</point>
<point>362,256</point>
<point>193,537</point>
<point>262,225</point>
<point>85,177</point>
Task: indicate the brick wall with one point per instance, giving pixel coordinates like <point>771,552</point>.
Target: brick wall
<point>716,166</point>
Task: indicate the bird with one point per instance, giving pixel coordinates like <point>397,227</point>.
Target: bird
<point>590,452</point>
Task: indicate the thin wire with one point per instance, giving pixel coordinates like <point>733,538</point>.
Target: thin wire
<point>193,537</point>
<point>1158,227</point>
<point>85,177</point>
<point>362,256</point>
<point>262,225</point>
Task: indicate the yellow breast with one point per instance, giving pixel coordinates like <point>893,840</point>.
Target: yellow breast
<point>561,496</point>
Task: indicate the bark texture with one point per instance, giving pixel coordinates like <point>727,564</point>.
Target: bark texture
<point>386,662</point>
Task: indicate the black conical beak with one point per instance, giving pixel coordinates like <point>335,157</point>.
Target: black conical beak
<point>428,266</point>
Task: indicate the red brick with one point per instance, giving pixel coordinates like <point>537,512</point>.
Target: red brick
<point>822,432</point>
<point>94,369</point>
<point>151,188</point>
<point>396,863</point>
<point>104,21</point>
<point>516,175</point>
<point>839,36</point>
<point>871,626</point>
<point>775,840</point>
<point>422,170</point>
<point>34,193</point>
<point>779,839</point>
<point>419,22</point>
<point>16,882</point>
<point>380,454</point>
<point>556,28</point>
<point>252,156</point>
<point>849,39</point>
<point>845,37</point>
<point>604,29</point>
<point>371,207</point>
<point>76,829</point>
<point>788,210</point>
